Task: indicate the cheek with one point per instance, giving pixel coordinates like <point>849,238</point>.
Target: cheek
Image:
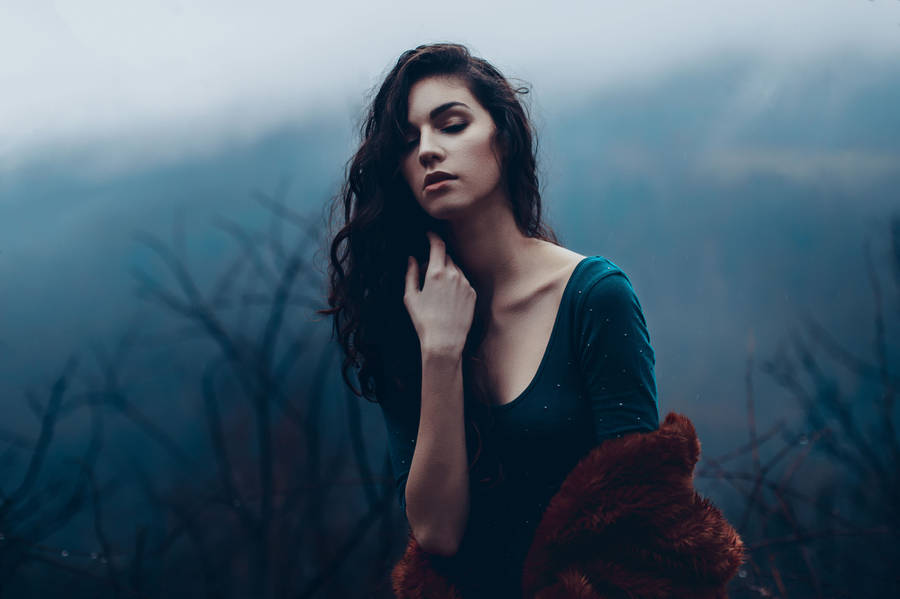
<point>488,154</point>
<point>487,163</point>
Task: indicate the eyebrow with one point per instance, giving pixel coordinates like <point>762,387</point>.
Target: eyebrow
<point>442,108</point>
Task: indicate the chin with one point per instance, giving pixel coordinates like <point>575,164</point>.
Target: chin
<point>447,206</point>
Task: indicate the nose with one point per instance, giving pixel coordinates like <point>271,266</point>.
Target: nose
<point>429,149</point>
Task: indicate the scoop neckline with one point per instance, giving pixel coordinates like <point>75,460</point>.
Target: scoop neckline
<point>553,335</point>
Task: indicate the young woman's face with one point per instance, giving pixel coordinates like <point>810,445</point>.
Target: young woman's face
<point>449,132</point>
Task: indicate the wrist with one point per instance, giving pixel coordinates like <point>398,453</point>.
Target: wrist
<point>441,355</point>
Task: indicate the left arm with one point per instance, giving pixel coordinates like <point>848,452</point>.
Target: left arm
<point>616,359</point>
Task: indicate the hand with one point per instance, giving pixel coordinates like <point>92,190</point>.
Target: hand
<point>442,311</point>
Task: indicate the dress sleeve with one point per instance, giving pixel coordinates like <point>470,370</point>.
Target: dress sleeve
<point>402,424</point>
<point>617,360</point>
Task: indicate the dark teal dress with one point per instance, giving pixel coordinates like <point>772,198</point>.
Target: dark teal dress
<point>595,381</point>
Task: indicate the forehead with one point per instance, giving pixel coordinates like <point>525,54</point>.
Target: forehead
<point>431,92</point>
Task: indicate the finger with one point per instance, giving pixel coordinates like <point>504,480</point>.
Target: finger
<point>412,276</point>
<point>437,254</point>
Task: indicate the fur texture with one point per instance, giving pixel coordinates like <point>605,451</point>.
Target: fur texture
<point>625,523</point>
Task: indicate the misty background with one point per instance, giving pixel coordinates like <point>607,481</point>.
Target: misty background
<point>740,161</point>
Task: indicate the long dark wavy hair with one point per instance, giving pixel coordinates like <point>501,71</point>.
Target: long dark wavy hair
<point>383,224</point>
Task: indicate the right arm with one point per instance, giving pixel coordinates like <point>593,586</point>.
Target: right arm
<point>437,488</point>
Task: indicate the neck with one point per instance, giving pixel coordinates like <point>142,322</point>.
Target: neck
<point>492,252</point>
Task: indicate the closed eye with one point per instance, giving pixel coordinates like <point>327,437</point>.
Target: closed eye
<point>411,143</point>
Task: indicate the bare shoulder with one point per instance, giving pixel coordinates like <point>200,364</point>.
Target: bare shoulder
<point>554,270</point>
<point>560,260</point>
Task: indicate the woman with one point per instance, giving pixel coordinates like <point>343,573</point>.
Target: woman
<point>499,358</point>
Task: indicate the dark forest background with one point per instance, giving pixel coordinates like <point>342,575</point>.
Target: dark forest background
<point>174,421</point>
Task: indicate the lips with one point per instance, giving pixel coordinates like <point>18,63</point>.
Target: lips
<point>435,177</point>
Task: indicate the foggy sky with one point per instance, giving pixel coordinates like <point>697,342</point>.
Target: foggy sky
<point>114,86</point>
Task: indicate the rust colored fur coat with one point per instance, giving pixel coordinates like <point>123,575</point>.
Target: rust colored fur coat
<point>626,522</point>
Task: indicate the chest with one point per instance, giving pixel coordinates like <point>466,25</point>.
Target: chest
<point>515,344</point>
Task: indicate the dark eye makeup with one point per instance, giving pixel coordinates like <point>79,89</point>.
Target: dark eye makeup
<point>454,128</point>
